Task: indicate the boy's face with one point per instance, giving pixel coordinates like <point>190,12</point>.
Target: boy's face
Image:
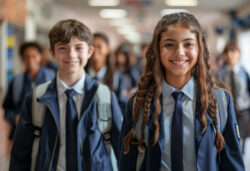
<point>232,57</point>
<point>32,59</point>
<point>71,57</point>
<point>178,51</point>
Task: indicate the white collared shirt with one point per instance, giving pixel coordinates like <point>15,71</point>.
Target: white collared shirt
<point>62,100</point>
<point>99,75</point>
<point>188,106</point>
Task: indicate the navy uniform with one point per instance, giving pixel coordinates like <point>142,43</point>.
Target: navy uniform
<point>238,79</point>
<point>199,151</point>
<point>51,155</point>
<point>19,87</point>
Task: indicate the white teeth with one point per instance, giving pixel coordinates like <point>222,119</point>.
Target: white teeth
<point>179,62</point>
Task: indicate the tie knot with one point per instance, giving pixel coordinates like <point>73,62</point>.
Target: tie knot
<point>177,95</point>
<point>70,93</point>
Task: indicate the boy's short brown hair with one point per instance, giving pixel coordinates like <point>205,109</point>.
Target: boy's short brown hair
<point>65,29</point>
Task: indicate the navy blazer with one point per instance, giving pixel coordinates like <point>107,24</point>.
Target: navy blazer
<point>94,155</point>
<point>11,106</point>
<point>207,157</point>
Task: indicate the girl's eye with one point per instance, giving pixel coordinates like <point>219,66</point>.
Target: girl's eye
<point>188,45</point>
<point>79,48</point>
<point>169,45</point>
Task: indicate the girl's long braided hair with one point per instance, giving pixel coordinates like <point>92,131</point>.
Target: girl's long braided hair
<point>150,84</point>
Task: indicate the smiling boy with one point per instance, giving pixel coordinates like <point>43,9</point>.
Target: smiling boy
<point>70,137</point>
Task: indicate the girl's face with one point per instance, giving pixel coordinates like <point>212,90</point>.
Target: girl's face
<point>178,51</point>
<point>100,53</point>
<point>121,59</point>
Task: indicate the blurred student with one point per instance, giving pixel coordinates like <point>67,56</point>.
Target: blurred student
<point>123,66</point>
<point>234,75</point>
<point>22,84</point>
<point>101,67</point>
<point>82,118</point>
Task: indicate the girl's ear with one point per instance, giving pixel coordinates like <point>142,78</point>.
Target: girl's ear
<point>52,53</point>
<point>91,50</point>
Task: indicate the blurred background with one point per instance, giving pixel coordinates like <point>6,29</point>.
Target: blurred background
<point>125,22</point>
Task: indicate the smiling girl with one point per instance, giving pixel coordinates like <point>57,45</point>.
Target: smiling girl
<point>173,122</point>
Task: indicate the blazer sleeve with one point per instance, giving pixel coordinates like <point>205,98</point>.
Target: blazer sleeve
<point>128,161</point>
<point>231,157</point>
<point>23,139</point>
<point>116,123</point>
<point>10,108</point>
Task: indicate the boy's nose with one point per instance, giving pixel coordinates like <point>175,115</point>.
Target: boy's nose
<point>72,53</point>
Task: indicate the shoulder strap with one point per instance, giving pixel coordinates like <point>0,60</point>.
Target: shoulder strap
<point>222,106</point>
<point>38,112</point>
<point>17,87</point>
<point>103,96</point>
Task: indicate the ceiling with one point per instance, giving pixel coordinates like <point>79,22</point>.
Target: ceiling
<point>142,17</point>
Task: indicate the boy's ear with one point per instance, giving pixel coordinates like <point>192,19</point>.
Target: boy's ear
<point>52,53</point>
<point>91,50</point>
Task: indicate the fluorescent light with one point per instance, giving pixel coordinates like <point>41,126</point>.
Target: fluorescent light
<point>181,2</point>
<point>113,13</point>
<point>171,11</point>
<point>103,2</point>
<point>119,22</point>
<point>133,37</point>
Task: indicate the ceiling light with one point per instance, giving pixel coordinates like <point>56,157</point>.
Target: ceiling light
<point>181,2</point>
<point>171,11</point>
<point>113,13</point>
<point>103,2</point>
<point>119,22</point>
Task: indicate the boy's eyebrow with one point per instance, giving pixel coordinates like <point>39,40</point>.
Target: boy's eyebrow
<point>172,40</point>
<point>61,43</point>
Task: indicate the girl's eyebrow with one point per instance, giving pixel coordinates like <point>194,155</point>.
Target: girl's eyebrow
<point>172,40</point>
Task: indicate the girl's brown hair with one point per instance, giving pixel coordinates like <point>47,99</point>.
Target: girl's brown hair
<point>150,84</point>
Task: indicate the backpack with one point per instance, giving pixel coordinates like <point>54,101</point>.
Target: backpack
<point>103,95</point>
<point>222,120</point>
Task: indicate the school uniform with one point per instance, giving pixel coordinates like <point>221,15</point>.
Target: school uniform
<point>91,151</point>
<point>119,84</point>
<point>199,151</point>
<point>19,87</point>
<point>238,79</point>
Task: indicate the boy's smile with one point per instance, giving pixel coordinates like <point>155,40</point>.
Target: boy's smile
<point>179,52</point>
<point>71,58</point>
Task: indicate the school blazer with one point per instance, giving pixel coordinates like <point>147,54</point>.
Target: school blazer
<point>94,155</point>
<point>207,157</point>
<point>19,87</point>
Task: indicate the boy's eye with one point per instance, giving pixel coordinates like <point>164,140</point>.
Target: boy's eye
<point>62,48</point>
<point>79,48</point>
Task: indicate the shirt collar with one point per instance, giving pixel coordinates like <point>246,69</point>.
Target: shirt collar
<point>78,86</point>
<point>188,89</point>
<point>100,74</point>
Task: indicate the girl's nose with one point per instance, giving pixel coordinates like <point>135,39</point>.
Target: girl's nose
<point>180,51</point>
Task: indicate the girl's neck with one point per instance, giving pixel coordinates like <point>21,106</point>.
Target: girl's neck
<point>177,82</point>
<point>70,79</point>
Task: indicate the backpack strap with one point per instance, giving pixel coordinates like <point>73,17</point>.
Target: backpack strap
<point>103,96</point>
<point>16,89</point>
<point>222,106</point>
<point>38,113</point>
